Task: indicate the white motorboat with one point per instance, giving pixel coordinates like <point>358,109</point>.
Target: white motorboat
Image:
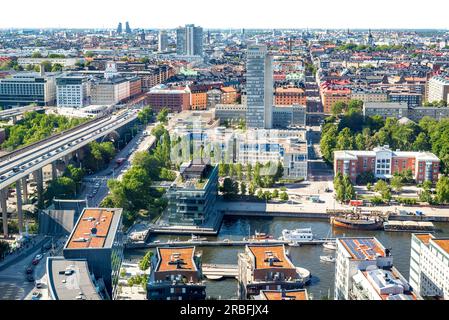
<point>305,274</point>
<point>297,235</point>
<point>330,245</point>
<point>327,259</point>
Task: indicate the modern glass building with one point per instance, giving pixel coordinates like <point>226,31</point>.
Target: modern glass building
<point>259,87</point>
<point>192,196</point>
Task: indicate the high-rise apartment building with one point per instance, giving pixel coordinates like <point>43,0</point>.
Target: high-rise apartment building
<point>189,40</point>
<point>119,28</point>
<point>429,266</point>
<point>162,41</point>
<point>259,87</point>
<point>127,28</point>
<point>364,271</point>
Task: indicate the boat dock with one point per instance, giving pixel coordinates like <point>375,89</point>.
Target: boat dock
<point>220,271</point>
<point>218,243</point>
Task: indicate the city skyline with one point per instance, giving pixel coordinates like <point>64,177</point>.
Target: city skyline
<point>235,15</point>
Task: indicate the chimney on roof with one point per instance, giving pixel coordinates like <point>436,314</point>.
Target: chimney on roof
<point>93,232</point>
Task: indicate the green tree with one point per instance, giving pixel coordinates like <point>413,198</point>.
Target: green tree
<point>396,184</point>
<point>275,193</point>
<point>230,188</point>
<point>145,263</point>
<point>383,189</point>
<point>284,196</point>
<point>442,190</point>
<point>243,188</point>
<point>145,115</point>
<point>251,189</point>
<point>163,115</point>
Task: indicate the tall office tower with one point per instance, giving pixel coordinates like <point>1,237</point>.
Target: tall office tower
<point>163,41</point>
<point>119,28</point>
<point>259,87</point>
<point>189,40</point>
<point>127,28</point>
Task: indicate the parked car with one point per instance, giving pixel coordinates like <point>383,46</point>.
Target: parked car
<point>37,259</point>
<point>30,278</point>
<point>29,270</point>
<point>38,284</point>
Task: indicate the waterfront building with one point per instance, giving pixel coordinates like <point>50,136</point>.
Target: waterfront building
<point>70,279</point>
<point>189,40</point>
<point>429,266</point>
<point>162,41</point>
<point>438,89</point>
<point>72,91</point>
<point>384,163</point>
<point>192,196</point>
<point>259,87</point>
<point>364,271</point>
<point>266,267</point>
<point>176,275</point>
<point>27,88</point>
<point>299,294</point>
<point>175,99</point>
<point>98,238</point>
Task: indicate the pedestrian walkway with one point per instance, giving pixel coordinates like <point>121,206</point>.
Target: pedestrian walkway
<point>36,243</point>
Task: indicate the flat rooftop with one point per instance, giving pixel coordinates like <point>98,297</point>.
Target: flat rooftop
<point>96,228</point>
<point>286,295</point>
<point>176,259</point>
<point>443,244</point>
<point>270,257</point>
<point>363,248</point>
<point>427,238</point>
<point>76,286</point>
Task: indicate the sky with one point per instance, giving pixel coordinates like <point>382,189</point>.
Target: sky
<point>156,14</point>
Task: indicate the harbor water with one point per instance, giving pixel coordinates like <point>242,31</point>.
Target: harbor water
<point>307,256</point>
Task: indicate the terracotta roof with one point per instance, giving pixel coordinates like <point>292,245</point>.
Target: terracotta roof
<point>228,89</point>
<point>84,235</point>
<point>178,259</point>
<point>424,237</point>
<point>443,244</point>
<point>263,254</point>
<point>288,295</point>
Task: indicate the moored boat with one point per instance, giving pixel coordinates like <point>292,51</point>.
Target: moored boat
<point>297,235</point>
<point>330,245</point>
<point>327,259</point>
<point>357,222</point>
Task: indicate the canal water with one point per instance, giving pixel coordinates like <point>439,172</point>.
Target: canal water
<point>307,256</point>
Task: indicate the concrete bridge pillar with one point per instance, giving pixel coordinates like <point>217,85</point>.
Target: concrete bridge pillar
<point>54,170</point>
<point>19,205</point>
<point>3,197</point>
<point>38,176</point>
<point>25,190</point>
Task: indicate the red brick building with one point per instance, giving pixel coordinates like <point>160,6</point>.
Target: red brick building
<point>286,96</point>
<point>175,99</point>
<point>384,163</point>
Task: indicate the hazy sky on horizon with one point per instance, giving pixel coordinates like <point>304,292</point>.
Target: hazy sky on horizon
<point>385,14</point>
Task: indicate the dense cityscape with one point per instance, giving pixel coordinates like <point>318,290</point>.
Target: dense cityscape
<point>224,164</point>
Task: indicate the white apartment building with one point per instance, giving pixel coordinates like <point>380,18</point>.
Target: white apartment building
<point>429,265</point>
<point>72,92</point>
<point>379,284</point>
<point>354,255</point>
<point>438,89</point>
